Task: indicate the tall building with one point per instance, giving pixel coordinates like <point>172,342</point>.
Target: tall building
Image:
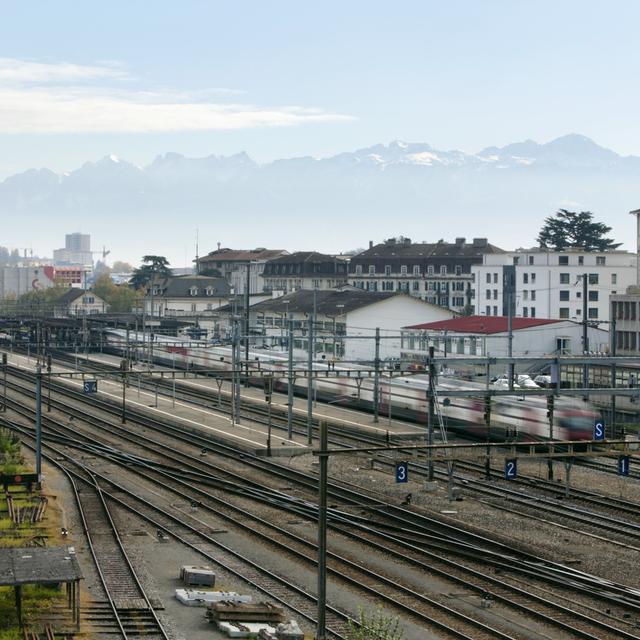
<point>76,252</point>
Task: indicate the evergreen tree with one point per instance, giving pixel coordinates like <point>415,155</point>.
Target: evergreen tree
<point>569,229</point>
<point>152,267</point>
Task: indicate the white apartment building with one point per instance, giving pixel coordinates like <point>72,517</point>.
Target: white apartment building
<point>549,284</point>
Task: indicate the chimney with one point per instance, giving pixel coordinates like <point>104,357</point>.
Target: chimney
<point>460,242</point>
<point>370,244</point>
<point>407,241</point>
<point>219,245</point>
<point>480,242</point>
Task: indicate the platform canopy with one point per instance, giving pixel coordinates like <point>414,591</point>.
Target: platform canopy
<point>34,565</point>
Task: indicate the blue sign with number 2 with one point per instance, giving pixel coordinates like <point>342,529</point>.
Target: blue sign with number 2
<point>510,469</point>
<point>402,472</point>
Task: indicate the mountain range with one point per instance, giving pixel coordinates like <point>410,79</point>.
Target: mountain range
<point>413,189</point>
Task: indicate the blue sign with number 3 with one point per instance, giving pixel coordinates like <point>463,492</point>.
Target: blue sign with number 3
<point>402,472</point>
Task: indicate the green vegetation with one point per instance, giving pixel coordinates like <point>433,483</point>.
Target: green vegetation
<point>10,455</point>
<point>35,599</point>
<point>375,626</point>
<point>152,267</point>
<point>120,298</point>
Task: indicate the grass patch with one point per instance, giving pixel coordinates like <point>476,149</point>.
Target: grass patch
<point>35,599</point>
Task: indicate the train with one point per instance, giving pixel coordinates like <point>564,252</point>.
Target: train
<point>402,395</point>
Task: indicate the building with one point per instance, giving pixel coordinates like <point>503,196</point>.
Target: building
<point>186,296</point>
<point>77,302</point>
<point>543,283</point>
<point>71,276</point>
<point>16,281</point>
<point>231,264</point>
<point>341,313</point>
<point>625,311</point>
<point>488,336</point>
<point>439,273</point>
<point>304,270</point>
<point>76,252</point>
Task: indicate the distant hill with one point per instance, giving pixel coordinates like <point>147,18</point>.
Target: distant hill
<point>400,188</point>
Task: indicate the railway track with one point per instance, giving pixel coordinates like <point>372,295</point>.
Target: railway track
<point>621,632</point>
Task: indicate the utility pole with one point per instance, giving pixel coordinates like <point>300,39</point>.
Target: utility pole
<point>431,396</point>
<point>376,378</point>
<point>310,382</point>
<point>614,340</point>
<point>321,631</point>
<point>39,423</point>
<point>290,385</point>
<point>585,332</point>
<point>510,338</point>
<point>246,321</point>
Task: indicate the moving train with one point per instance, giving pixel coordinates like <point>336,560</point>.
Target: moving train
<point>401,395</point>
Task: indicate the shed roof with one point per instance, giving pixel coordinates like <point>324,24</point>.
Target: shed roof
<point>34,565</point>
<point>482,324</point>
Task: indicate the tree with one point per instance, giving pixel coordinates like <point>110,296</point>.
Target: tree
<point>121,267</point>
<point>151,268</point>
<point>375,626</point>
<point>120,298</point>
<point>568,229</point>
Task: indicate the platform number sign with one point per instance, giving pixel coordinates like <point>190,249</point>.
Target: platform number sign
<point>90,386</point>
<point>623,466</point>
<point>402,472</point>
<point>598,430</point>
<point>510,469</point>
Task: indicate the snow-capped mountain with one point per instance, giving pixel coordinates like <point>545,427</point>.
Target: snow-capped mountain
<point>500,192</point>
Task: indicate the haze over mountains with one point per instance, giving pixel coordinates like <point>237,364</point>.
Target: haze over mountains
<point>329,204</point>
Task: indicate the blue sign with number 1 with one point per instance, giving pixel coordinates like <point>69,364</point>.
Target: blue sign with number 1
<point>402,472</point>
<point>598,430</point>
<point>623,466</point>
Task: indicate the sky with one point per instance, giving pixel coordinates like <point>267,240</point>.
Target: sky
<point>81,80</point>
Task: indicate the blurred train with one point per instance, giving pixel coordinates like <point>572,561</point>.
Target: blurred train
<point>400,396</point>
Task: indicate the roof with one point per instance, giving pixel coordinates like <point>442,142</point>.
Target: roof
<point>35,565</point>
<point>306,256</point>
<point>242,255</point>
<point>330,302</point>
<point>180,286</point>
<point>71,295</point>
<point>482,324</point>
<point>403,247</point>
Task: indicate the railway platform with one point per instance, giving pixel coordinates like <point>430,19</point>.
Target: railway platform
<point>209,418</point>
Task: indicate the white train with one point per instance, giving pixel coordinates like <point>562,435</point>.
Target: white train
<point>401,395</point>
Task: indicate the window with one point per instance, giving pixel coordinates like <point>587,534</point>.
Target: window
<point>488,294</point>
<point>387,269</point>
<point>193,306</point>
<point>525,312</point>
<point>593,313</point>
<point>416,270</point>
<point>564,312</point>
<point>487,310</point>
<point>495,294</point>
<point>403,270</point>
<point>416,285</point>
<point>614,278</point>
<point>431,286</point>
<point>495,311</point>
<point>372,269</point>
<point>525,294</point>
<point>564,278</point>
<point>563,260</point>
<point>488,278</point>
<point>564,296</point>
<point>580,260</point>
<point>601,261</point>
<point>430,270</point>
<point>525,278</point>
<point>593,296</point>
<point>533,312</point>
<point>358,269</point>
<point>516,260</point>
<point>495,278</point>
<point>593,278</point>
<point>533,278</point>
<point>531,262</point>
<point>443,269</point>
<point>533,294</point>
<point>458,269</point>
<point>193,291</point>
<point>210,291</point>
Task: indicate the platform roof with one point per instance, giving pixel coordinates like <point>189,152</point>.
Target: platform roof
<point>34,565</point>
